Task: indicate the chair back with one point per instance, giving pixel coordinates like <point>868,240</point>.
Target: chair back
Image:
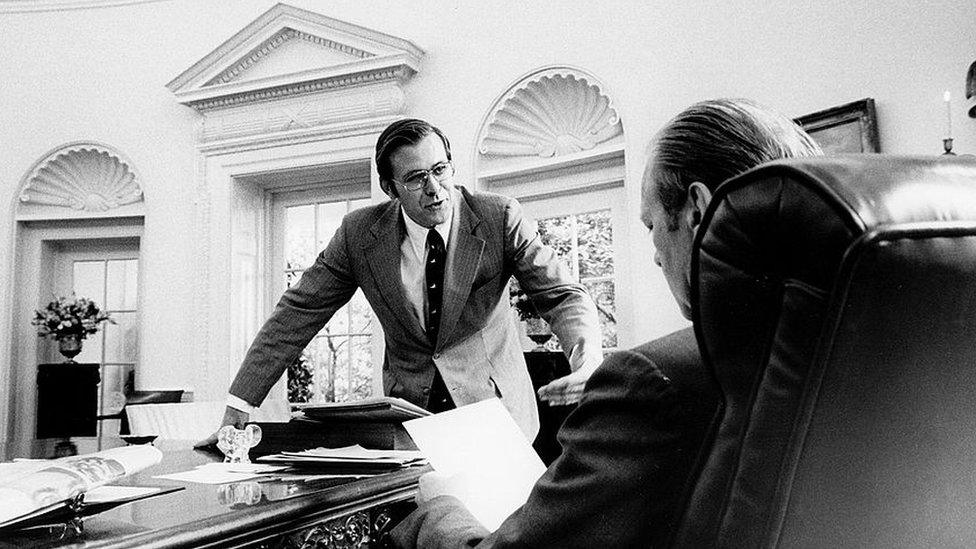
<point>183,421</point>
<point>834,300</point>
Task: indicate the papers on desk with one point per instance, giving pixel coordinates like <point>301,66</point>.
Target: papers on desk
<point>222,473</point>
<point>492,464</point>
<point>349,458</point>
<point>373,409</point>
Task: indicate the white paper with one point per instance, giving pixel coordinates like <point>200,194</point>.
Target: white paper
<point>210,475</point>
<point>493,464</point>
<point>242,467</point>
<point>115,493</point>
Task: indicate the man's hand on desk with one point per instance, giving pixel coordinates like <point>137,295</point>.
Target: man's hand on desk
<point>232,416</point>
<point>583,361</point>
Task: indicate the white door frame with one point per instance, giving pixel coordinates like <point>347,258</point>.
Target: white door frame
<point>32,281</point>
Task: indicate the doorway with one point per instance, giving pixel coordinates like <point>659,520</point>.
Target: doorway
<point>97,259</point>
<point>105,271</point>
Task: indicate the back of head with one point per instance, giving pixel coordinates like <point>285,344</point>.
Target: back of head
<point>718,139</point>
<point>404,132</point>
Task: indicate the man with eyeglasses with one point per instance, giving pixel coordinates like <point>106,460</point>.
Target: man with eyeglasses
<point>434,263</point>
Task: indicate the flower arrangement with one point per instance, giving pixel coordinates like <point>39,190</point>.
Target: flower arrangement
<point>69,317</point>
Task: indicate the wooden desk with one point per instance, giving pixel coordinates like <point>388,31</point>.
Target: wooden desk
<point>324,513</point>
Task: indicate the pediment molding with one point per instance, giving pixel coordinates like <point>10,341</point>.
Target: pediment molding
<point>281,37</point>
<point>222,77</point>
<point>82,179</point>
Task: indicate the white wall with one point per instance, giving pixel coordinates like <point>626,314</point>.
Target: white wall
<point>100,74</point>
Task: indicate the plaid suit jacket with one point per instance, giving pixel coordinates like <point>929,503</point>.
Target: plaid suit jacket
<point>478,351</point>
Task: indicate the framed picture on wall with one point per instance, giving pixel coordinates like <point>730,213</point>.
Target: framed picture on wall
<point>848,128</point>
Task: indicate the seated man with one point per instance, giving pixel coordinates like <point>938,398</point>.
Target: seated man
<point>630,447</point>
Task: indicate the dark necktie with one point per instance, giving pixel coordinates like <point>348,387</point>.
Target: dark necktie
<point>434,278</point>
<point>440,399</point>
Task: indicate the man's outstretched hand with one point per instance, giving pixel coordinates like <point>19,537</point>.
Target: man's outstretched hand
<point>232,416</point>
<point>583,361</point>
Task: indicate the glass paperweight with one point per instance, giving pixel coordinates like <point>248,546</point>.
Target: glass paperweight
<point>237,443</point>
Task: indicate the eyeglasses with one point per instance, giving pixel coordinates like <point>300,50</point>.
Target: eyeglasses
<point>416,181</point>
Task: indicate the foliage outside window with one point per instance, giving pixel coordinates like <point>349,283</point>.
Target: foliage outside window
<point>585,242</point>
<point>336,365</point>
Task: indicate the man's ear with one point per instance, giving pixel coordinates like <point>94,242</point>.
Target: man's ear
<point>391,189</point>
<point>698,199</point>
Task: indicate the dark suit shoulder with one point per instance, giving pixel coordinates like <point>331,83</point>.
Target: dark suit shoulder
<point>661,369</point>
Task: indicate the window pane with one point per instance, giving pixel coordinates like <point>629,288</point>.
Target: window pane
<point>121,338</point>
<point>299,236</point>
<point>361,363</point>
<point>603,295</point>
<point>557,232</point>
<point>91,349</point>
<point>114,384</point>
<point>361,315</point>
<point>121,285</point>
<point>292,277</point>
<point>329,354</point>
<point>339,324</point>
<point>595,244</point>
<point>335,376</point>
<point>89,281</point>
<point>330,217</point>
<point>361,203</point>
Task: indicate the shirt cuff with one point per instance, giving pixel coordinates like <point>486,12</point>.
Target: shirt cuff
<point>241,405</point>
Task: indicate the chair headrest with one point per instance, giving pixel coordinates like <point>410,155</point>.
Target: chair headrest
<point>770,269</point>
<point>791,222</point>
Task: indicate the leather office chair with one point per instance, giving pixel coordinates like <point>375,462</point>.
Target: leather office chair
<point>834,300</point>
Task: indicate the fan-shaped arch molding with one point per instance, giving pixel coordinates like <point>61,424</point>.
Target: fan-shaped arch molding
<point>87,177</point>
<point>552,112</point>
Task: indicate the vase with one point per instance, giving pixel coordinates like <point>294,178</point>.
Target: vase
<point>69,346</point>
<point>538,331</point>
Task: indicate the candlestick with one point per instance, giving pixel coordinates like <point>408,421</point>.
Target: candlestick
<point>946,97</point>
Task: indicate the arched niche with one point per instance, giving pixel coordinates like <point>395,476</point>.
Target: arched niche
<point>78,180</point>
<point>545,130</point>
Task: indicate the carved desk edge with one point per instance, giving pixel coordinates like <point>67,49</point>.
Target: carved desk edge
<point>262,526</point>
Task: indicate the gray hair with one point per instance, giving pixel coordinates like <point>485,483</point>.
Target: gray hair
<point>715,140</point>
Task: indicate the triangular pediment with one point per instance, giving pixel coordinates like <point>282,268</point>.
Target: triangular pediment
<point>290,50</point>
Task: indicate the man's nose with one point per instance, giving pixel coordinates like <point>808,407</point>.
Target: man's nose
<point>657,258</point>
<point>431,185</point>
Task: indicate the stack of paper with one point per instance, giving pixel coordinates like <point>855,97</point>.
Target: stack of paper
<point>355,458</point>
<point>382,408</point>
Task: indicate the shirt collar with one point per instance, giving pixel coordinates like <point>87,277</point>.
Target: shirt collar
<point>417,233</point>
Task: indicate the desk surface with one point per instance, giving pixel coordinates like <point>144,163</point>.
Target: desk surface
<point>228,515</point>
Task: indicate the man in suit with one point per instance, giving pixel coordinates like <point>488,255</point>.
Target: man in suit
<point>630,447</point>
<point>434,263</point>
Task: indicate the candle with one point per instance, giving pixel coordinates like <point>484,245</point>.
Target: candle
<point>946,97</point>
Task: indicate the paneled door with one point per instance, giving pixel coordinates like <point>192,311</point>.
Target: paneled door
<point>107,272</point>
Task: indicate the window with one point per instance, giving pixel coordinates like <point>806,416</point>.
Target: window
<point>555,142</point>
<point>585,242</point>
<point>107,272</point>
<point>337,365</point>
